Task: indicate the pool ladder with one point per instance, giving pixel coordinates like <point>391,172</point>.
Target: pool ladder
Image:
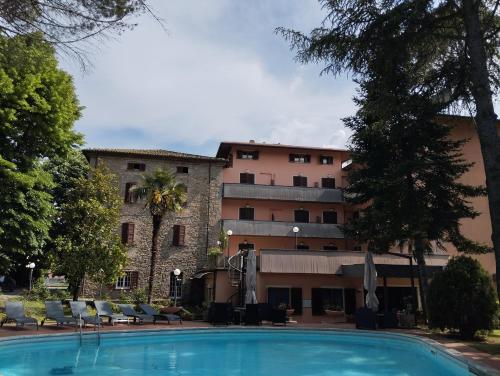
<point>98,324</point>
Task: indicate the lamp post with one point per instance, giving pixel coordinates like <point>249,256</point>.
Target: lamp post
<point>31,266</point>
<point>177,273</point>
<point>229,233</point>
<point>295,230</point>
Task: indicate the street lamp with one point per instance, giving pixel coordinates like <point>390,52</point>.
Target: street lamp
<point>31,266</point>
<point>177,273</point>
<point>295,230</point>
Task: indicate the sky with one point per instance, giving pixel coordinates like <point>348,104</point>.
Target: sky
<point>219,73</point>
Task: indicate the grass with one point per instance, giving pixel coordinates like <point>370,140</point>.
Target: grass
<point>490,344</point>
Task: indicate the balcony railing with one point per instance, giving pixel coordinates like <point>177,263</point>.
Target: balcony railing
<point>272,228</point>
<point>331,262</point>
<point>282,193</point>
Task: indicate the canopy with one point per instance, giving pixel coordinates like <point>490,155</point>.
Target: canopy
<point>251,278</point>
<point>370,282</point>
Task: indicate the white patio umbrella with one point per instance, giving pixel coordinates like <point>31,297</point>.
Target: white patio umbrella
<point>370,282</point>
<point>251,278</point>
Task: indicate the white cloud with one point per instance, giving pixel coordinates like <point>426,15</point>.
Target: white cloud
<point>204,83</point>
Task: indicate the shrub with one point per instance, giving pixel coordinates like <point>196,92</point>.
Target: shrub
<point>462,298</point>
<point>135,297</point>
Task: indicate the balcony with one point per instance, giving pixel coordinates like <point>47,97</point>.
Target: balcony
<point>282,193</point>
<point>346,263</point>
<point>271,228</point>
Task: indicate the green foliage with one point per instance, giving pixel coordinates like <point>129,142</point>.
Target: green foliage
<point>214,252</point>
<point>462,298</point>
<point>136,297</point>
<point>90,245</point>
<point>162,193</point>
<point>38,107</point>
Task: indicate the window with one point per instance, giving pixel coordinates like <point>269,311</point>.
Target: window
<point>182,169</point>
<point>326,298</point>
<point>128,232</point>
<point>247,178</point>
<point>127,281</point>
<point>330,217</point>
<point>243,154</point>
<point>130,196</point>
<point>246,246</point>
<point>175,288</point>
<point>299,158</point>
<point>302,246</point>
<point>302,216</point>
<point>247,214</point>
<point>330,247</point>
<point>356,248</point>
<point>300,181</point>
<point>290,296</point>
<point>179,235</point>
<point>325,159</point>
<point>328,182</point>
<point>136,166</point>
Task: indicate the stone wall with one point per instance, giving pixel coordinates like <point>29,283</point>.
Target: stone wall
<point>201,218</point>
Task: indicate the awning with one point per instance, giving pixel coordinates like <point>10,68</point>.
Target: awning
<point>200,275</point>
<point>388,271</point>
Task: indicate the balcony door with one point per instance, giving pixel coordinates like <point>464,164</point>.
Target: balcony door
<point>302,216</point>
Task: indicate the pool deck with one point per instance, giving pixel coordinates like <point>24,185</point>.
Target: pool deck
<point>9,330</point>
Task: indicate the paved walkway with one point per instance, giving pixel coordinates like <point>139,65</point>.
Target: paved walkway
<point>9,330</point>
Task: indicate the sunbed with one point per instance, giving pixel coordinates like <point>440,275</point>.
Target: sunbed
<point>15,313</point>
<point>79,309</point>
<point>148,310</point>
<point>128,310</point>
<point>55,312</point>
<point>104,310</point>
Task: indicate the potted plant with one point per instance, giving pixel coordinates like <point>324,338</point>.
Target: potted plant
<point>286,307</point>
<point>213,255</point>
<point>334,311</point>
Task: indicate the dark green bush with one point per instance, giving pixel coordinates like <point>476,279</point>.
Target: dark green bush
<point>461,298</point>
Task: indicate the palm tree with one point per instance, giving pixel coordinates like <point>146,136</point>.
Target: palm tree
<point>163,194</point>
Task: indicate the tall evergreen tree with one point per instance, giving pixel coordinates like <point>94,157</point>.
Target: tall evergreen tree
<point>455,42</point>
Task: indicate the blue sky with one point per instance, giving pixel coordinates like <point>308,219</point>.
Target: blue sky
<point>220,73</point>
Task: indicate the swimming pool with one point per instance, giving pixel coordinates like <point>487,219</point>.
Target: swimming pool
<point>242,352</point>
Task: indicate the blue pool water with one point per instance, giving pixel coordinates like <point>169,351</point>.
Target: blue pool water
<point>227,352</point>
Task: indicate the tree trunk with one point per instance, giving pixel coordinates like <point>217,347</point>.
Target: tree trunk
<point>419,254</point>
<point>75,289</point>
<point>485,119</point>
<point>154,255</point>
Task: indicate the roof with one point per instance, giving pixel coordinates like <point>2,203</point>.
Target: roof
<point>460,117</point>
<point>225,147</point>
<point>151,153</point>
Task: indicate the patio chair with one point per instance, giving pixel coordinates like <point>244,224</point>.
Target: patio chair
<point>15,313</point>
<point>148,310</point>
<point>389,320</point>
<point>265,311</point>
<point>79,309</point>
<point>104,309</point>
<point>252,314</point>
<point>128,310</point>
<point>278,316</point>
<point>366,319</point>
<point>54,311</point>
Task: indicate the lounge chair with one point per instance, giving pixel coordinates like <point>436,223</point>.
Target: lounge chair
<point>15,313</point>
<point>366,319</point>
<point>148,310</point>
<point>278,316</point>
<point>128,310</point>
<point>104,310</point>
<point>252,314</point>
<point>55,312</point>
<point>79,309</point>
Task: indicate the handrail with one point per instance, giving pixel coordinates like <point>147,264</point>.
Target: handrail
<point>98,319</point>
<point>80,324</point>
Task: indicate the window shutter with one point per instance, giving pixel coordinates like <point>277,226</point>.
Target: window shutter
<point>129,196</point>
<point>179,235</point>
<point>134,280</point>
<point>124,233</point>
<point>130,233</point>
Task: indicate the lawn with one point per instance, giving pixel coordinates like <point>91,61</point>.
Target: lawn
<point>490,345</point>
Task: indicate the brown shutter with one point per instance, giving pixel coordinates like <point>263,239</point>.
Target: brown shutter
<point>179,235</point>
<point>124,233</point>
<point>130,232</point>
<point>134,280</point>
